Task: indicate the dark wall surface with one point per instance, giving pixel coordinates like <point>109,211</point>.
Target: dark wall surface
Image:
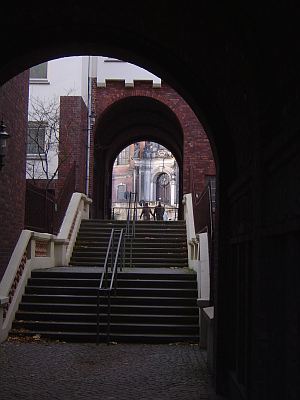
<point>237,66</point>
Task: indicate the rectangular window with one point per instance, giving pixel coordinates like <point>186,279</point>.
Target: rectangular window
<point>39,71</point>
<point>36,138</point>
<point>123,157</point>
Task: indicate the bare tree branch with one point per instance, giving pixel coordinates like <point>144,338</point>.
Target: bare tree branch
<point>44,119</point>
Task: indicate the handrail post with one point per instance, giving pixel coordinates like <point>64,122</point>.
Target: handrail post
<point>130,252</point>
<point>112,251</point>
<point>108,318</point>
<point>104,278</point>
<point>124,252</point>
<point>115,264</point>
<point>98,316</point>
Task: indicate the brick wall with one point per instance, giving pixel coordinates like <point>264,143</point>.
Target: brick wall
<point>43,183</point>
<point>73,140</point>
<point>13,110</point>
<point>123,176</point>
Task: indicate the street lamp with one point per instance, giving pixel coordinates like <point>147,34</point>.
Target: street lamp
<point>3,138</point>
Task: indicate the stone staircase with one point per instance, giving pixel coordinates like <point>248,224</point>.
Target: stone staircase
<point>154,302</point>
<point>149,307</point>
<point>156,243</point>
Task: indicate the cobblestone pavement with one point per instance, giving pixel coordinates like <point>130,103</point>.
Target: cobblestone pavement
<point>68,371</point>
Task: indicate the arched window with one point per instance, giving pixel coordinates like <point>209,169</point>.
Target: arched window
<point>163,188</point>
<point>121,189</point>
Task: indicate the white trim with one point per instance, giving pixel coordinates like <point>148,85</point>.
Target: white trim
<point>39,81</point>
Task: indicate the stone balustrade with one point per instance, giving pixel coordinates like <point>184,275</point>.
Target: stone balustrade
<point>35,250</point>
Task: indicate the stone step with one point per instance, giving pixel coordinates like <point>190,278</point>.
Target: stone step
<point>144,264</point>
<point>115,309</point>
<point>131,318</point>
<point>66,326</point>
<point>158,259</point>
<point>133,274</point>
<point>84,337</point>
<point>126,292</point>
<point>132,283</point>
<point>130,300</point>
<point>96,221</point>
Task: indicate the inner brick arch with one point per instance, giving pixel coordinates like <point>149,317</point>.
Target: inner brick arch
<point>160,107</point>
<point>128,121</point>
<point>132,111</point>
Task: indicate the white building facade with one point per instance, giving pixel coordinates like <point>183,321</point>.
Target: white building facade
<point>48,82</point>
<point>149,170</point>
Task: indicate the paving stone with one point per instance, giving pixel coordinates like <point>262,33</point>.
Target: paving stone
<point>69,371</point>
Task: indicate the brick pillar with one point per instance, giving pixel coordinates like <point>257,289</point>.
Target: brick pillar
<point>13,110</point>
<point>73,140</point>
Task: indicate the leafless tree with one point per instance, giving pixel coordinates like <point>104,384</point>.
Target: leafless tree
<point>43,158</point>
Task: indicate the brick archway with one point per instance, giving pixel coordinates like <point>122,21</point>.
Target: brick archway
<point>126,115</point>
<point>132,119</point>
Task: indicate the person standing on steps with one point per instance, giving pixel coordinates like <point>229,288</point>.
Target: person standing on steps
<point>159,212</point>
<point>146,212</point>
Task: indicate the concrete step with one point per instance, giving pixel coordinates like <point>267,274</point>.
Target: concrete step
<point>84,337</point>
<point>122,292</point>
<point>132,274</point>
<point>66,326</point>
<point>123,300</point>
<point>132,283</point>
<point>138,258</point>
<point>115,309</point>
<point>131,318</point>
<point>96,221</point>
<point>144,264</point>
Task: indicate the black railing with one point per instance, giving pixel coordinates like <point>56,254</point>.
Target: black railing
<point>204,211</point>
<point>204,205</point>
<point>105,286</point>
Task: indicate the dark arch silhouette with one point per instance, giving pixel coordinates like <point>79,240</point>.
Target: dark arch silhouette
<point>237,65</point>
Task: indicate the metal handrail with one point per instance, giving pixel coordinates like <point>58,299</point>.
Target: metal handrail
<point>114,262</point>
<point>197,201</point>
